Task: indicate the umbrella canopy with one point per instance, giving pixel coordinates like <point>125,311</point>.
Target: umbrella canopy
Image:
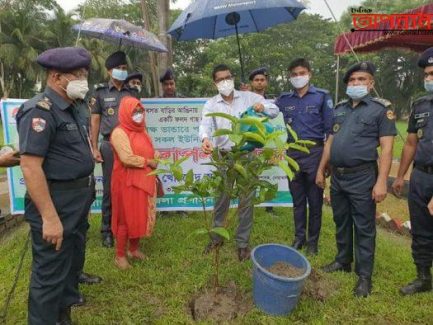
<point>213,19</point>
<point>119,31</point>
<point>380,38</point>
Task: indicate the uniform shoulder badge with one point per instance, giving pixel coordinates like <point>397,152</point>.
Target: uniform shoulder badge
<point>92,102</point>
<point>44,104</point>
<point>382,101</point>
<point>422,99</point>
<point>342,102</point>
<point>390,114</point>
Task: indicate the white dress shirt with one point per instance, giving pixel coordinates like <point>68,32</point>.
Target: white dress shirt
<point>242,100</point>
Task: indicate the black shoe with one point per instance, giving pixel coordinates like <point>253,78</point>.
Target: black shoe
<point>312,249</point>
<point>244,254</point>
<point>336,266</point>
<point>422,283</point>
<point>86,278</point>
<point>80,302</point>
<point>107,241</point>
<point>211,246</point>
<point>363,287</point>
<point>64,317</point>
<point>298,244</point>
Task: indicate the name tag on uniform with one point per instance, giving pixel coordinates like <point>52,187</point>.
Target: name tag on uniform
<point>71,127</point>
<point>336,114</point>
<point>110,99</point>
<point>422,115</point>
<point>290,108</point>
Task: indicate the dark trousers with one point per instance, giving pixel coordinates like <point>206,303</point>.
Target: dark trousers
<point>107,168</point>
<point>54,279</point>
<point>354,216</point>
<point>304,191</point>
<point>420,194</point>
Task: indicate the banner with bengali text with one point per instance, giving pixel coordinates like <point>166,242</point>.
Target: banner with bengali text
<point>173,125</point>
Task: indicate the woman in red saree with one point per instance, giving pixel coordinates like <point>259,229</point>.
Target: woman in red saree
<point>133,192</point>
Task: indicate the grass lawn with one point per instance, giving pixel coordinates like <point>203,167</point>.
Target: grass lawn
<point>157,291</point>
<point>400,138</point>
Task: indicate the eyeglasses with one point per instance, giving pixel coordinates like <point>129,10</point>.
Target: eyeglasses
<point>223,79</point>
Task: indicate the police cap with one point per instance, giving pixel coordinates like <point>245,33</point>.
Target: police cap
<point>65,59</point>
<point>115,59</point>
<point>426,58</point>
<point>167,75</point>
<point>255,72</point>
<point>365,66</point>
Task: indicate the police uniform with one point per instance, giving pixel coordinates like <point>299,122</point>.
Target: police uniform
<point>310,117</point>
<point>421,187</point>
<point>51,128</point>
<point>105,102</point>
<point>353,156</point>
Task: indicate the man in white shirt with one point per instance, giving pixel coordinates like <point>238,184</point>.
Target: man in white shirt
<point>233,102</point>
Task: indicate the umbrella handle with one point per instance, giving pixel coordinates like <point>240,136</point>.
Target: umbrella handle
<point>240,54</point>
<point>233,19</point>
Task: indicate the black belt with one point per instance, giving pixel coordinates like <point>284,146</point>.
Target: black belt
<point>424,168</point>
<point>356,169</point>
<point>71,185</point>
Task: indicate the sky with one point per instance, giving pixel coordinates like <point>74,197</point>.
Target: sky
<point>315,6</point>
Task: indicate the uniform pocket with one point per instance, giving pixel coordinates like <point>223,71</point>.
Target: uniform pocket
<point>366,127</point>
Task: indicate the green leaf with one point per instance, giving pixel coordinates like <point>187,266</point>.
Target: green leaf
<point>158,171</point>
<point>177,172</point>
<point>286,170</point>
<point>221,231</point>
<point>292,132</point>
<point>306,142</point>
<point>178,162</point>
<point>292,163</point>
<point>254,137</point>
<point>240,169</point>
<point>257,122</point>
<point>201,231</point>
<point>298,147</point>
<point>235,138</point>
<point>189,179</point>
<point>233,119</point>
<point>221,132</point>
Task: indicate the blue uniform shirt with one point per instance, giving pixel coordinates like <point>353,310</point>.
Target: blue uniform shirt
<point>310,116</point>
<point>52,128</point>
<point>421,123</point>
<point>105,102</point>
<point>357,131</point>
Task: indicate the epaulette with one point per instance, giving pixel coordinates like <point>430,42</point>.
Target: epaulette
<point>423,99</point>
<point>384,102</point>
<point>286,93</point>
<point>341,102</point>
<point>321,90</point>
<point>100,86</point>
<point>44,104</point>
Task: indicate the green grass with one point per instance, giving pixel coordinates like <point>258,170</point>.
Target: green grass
<point>157,291</point>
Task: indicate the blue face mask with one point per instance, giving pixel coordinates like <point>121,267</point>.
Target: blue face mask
<point>357,92</point>
<point>119,74</point>
<point>428,85</point>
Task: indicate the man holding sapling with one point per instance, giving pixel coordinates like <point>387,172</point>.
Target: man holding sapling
<point>235,103</point>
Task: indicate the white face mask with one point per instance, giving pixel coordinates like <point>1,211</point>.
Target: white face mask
<point>138,117</point>
<point>300,81</point>
<point>226,87</point>
<point>77,89</point>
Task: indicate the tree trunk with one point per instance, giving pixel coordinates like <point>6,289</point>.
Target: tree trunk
<point>152,56</point>
<point>164,59</point>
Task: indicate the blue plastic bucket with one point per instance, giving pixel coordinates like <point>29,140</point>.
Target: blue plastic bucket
<point>273,294</point>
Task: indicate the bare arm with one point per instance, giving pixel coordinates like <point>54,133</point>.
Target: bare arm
<point>95,123</point>
<point>385,160</point>
<point>407,156</point>
<point>36,183</point>
<point>320,177</point>
<point>10,159</point>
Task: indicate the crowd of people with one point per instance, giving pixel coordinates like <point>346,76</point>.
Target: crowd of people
<point>59,132</point>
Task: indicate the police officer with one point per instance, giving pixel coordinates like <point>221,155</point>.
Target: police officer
<point>361,124</point>
<point>308,110</point>
<point>105,108</point>
<point>57,165</point>
<point>134,82</point>
<point>419,148</point>
<point>168,84</point>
